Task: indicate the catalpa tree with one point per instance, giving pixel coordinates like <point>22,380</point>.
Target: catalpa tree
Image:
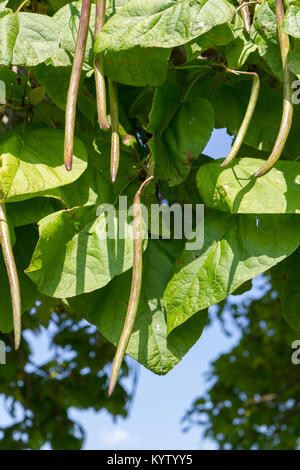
<point>119,98</point>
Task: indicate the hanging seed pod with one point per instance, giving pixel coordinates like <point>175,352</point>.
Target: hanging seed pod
<point>74,82</point>
<point>136,284</point>
<point>247,119</point>
<point>245,15</point>
<point>12,273</point>
<point>115,137</point>
<point>244,7</point>
<point>99,69</point>
<point>287,112</point>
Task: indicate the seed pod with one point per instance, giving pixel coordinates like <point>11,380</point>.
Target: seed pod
<point>74,82</point>
<point>247,119</point>
<point>244,7</point>
<point>245,15</point>
<point>12,273</point>
<point>287,112</point>
<point>99,69</point>
<point>136,284</point>
<point>115,137</point>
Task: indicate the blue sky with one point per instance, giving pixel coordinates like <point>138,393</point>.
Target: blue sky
<point>160,402</point>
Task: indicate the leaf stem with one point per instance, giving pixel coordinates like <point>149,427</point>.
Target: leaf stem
<point>136,284</point>
<point>287,112</point>
<point>74,82</point>
<point>99,69</point>
<point>115,137</point>
<point>12,273</point>
<point>21,6</point>
<point>247,119</point>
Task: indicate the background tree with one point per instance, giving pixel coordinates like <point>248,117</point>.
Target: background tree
<point>38,396</point>
<point>253,401</point>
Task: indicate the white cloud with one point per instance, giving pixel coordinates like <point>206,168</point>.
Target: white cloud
<point>115,436</point>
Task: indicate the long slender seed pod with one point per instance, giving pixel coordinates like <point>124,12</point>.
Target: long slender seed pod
<point>74,82</point>
<point>115,137</point>
<point>287,112</point>
<point>136,283</point>
<point>243,5</point>
<point>11,269</point>
<point>99,69</point>
<point>245,16</point>
<point>247,119</point>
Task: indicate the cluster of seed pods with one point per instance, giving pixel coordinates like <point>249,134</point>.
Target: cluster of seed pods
<point>287,110</point>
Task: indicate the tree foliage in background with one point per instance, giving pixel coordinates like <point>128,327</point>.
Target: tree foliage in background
<point>40,394</point>
<point>253,401</point>
<point>172,63</point>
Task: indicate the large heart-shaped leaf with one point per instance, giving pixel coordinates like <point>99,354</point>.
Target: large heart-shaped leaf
<point>27,39</point>
<point>291,22</point>
<point>234,189</point>
<point>236,249</point>
<point>33,162</point>
<point>148,344</point>
<point>29,211</point>
<point>183,140</point>
<point>75,254</point>
<point>162,23</point>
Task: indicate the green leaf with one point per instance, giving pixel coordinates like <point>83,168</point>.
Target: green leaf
<point>217,36</point>
<point>166,101</point>
<point>236,249</point>
<point>13,86</point>
<point>26,239</point>
<point>238,51</point>
<point>291,22</point>
<point>27,39</point>
<point>265,21</point>
<point>30,211</point>
<point>183,140</point>
<point>137,66</point>
<point>161,23</point>
<point>234,189</point>
<point>33,162</point>
<point>56,82</point>
<point>67,22</point>
<point>294,60</point>
<point>85,257</point>
<point>149,344</point>
<point>285,278</point>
